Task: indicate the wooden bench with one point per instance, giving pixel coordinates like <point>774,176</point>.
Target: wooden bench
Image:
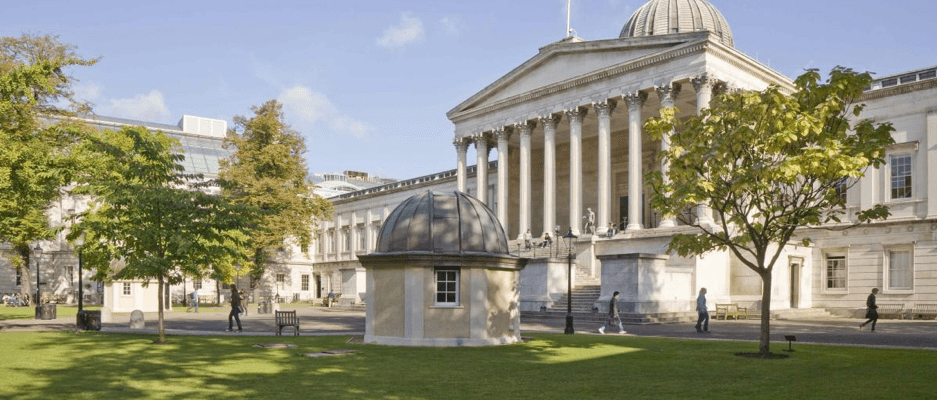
<point>726,310</point>
<point>287,318</point>
<point>891,309</point>
<point>924,310</point>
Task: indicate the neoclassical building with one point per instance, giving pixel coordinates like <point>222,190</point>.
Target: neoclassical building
<point>566,126</point>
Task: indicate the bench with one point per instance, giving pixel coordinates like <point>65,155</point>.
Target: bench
<point>726,310</point>
<point>921,310</point>
<point>891,309</point>
<point>287,318</point>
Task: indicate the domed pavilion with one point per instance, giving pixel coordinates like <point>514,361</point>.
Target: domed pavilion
<point>442,276</point>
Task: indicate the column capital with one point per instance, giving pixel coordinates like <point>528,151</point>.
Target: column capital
<point>461,143</point>
<point>703,81</point>
<point>502,133</point>
<point>668,92</point>
<point>635,99</point>
<point>550,120</point>
<point>604,108</point>
<point>524,128</point>
<point>575,115</point>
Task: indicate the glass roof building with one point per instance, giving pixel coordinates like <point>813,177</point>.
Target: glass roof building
<point>200,139</point>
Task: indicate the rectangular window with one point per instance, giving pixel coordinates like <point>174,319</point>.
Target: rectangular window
<point>361,236</point>
<point>900,176</point>
<point>281,278</point>
<point>19,277</point>
<point>305,283</point>
<point>70,273</point>
<point>447,287</point>
<point>126,291</point>
<point>836,272</point>
<point>197,284</point>
<point>842,187</point>
<point>899,268</point>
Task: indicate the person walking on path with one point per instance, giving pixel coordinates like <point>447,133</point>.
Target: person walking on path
<point>702,323</point>
<point>235,308</point>
<point>193,302</point>
<point>872,311</point>
<point>613,313</point>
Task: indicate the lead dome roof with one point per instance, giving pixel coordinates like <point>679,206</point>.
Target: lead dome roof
<point>663,17</point>
<point>442,223</point>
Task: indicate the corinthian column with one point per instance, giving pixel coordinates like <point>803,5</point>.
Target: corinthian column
<point>524,129</point>
<point>461,146</point>
<point>575,117</point>
<point>502,135</point>
<point>549,171</point>
<point>603,110</point>
<point>635,174</point>
<point>481,175</point>
<point>667,94</point>
<point>704,93</point>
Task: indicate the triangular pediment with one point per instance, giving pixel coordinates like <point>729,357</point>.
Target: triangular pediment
<point>568,60</point>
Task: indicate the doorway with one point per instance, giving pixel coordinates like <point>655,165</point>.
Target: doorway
<point>795,282</point>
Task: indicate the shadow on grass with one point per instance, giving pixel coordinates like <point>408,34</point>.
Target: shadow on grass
<point>97,365</point>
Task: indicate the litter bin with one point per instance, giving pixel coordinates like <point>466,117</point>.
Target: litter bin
<point>89,320</point>
<point>47,311</point>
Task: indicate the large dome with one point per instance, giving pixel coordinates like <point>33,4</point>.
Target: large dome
<point>442,223</point>
<point>662,17</point>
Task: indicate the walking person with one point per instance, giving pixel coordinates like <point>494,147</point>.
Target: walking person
<point>702,323</point>
<point>872,310</point>
<point>613,313</point>
<point>235,308</point>
<point>193,301</point>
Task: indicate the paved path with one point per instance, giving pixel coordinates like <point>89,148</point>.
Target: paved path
<point>337,321</point>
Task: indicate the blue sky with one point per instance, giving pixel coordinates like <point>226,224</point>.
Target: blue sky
<point>368,83</point>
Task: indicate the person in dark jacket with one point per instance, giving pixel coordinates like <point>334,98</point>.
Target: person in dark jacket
<point>871,311</point>
<point>235,308</point>
<point>702,323</point>
<point>613,313</point>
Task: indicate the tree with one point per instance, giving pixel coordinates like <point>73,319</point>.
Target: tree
<point>769,165</point>
<point>36,157</point>
<point>146,214</point>
<point>267,171</point>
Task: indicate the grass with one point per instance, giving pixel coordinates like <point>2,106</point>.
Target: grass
<point>96,365</point>
<point>29,312</point>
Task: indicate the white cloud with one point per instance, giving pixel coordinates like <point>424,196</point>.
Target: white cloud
<point>87,91</point>
<point>142,107</point>
<point>309,108</point>
<point>452,26</point>
<point>409,30</point>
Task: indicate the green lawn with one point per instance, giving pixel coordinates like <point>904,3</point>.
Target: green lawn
<point>95,365</point>
<point>30,312</point>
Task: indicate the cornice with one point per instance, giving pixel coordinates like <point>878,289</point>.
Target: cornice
<point>898,90</point>
<point>705,46</point>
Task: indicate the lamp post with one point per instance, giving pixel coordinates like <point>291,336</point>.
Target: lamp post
<point>569,238</point>
<point>38,251</point>
<point>80,317</point>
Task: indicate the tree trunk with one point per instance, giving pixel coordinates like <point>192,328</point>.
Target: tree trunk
<point>162,330</point>
<point>765,338</point>
<point>26,277</point>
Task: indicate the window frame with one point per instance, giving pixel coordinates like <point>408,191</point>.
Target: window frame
<point>906,149</point>
<point>19,277</point>
<point>456,293</point>
<point>304,282</point>
<point>887,269</point>
<point>908,178</point>
<point>126,289</point>
<point>197,284</point>
<point>838,255</point>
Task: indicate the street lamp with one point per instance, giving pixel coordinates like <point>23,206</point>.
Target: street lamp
<point>38,251</point>
<point>570,240</point>
<point>80,317</point>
